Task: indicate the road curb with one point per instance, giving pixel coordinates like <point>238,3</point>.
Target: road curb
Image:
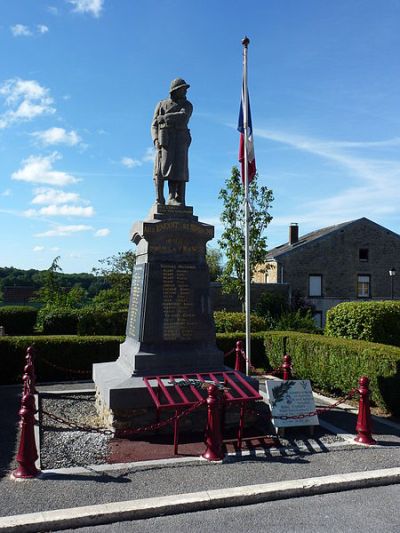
<point>196,501</point>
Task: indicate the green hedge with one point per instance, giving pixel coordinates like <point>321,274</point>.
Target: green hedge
<point>369,321</point>
<point>18,319</point>
<point>70,352</point>
<point>84,322</point>
<point>102,322</point>
<point>336,364</point>
<point>60,322</point>
<point>229,322</point>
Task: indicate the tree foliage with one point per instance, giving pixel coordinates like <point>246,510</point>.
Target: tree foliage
<point>232,238</point>
<point>214,262</point>
<point>116,271</point>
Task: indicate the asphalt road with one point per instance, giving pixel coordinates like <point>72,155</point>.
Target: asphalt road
<point>368,510</point>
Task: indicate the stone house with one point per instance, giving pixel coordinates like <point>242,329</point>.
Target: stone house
<point>345,262</point>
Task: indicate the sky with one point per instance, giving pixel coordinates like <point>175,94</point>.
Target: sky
<point>80,79</point>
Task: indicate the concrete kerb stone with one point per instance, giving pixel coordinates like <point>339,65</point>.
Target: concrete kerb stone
<point>197,501</point>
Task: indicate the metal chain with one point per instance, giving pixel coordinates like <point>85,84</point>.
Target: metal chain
<point>229,353</point>
<point>274,372</point>
<point>64,369</point>
<point>142,429</point>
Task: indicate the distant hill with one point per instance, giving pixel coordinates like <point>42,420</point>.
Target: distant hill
<point>33,279</point>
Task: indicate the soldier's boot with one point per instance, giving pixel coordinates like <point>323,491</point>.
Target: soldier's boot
<point>159,184</point>
<point>180,192</point>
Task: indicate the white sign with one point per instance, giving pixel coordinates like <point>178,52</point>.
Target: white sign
<point>291,399</point>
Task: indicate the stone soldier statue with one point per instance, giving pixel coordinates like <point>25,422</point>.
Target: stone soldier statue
<point>171,138</point>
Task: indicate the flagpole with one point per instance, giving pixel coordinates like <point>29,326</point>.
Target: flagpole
<point>245,43</point>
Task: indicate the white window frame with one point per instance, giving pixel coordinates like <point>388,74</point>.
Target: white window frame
<point>363,286</point>
<point>315,285</point>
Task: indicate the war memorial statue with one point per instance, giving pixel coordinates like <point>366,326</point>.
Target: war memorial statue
<point>170,328</point>
<point>171,138</point>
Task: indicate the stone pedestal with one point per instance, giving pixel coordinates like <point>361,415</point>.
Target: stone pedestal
<point>170,327</point>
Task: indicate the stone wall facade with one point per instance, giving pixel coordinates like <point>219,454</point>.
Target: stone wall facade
<point>359,251</point>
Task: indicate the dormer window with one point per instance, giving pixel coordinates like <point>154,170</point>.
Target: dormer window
<point>363,255</point>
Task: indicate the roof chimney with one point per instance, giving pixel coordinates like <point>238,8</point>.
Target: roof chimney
<point>293,233</point>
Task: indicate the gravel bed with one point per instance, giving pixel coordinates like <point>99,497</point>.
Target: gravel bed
<point>62,446</point>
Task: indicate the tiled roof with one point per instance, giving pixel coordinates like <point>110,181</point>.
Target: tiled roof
<point>305,239</point>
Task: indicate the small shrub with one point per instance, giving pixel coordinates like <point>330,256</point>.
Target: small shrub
<point>369,321</point>
<point>297,321</point>
<point>271,305</point>
<point>18,319</point>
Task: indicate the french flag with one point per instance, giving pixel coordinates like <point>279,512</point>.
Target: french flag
<point>251,160</point>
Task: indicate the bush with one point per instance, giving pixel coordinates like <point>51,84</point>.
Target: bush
<point>92,322</point>
<point>370,321</point>
<point>18,319</point>
<point>58,321</point>
<point>64,352</point>
<point>230,322</point>
<point>297,321</point>
<point>272,305</point>
<point>337,364</point>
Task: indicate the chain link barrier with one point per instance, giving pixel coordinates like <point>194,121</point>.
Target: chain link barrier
<point>127,431</point>
<point>275,372</point>
<point>65,369</point>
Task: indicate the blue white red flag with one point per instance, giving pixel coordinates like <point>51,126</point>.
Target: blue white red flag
<point>251,160</point>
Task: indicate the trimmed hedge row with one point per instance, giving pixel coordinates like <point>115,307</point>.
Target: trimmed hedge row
<point>84,322</point>
<point>369,321</point>
<point>18,319</point>
<point>331,364</point>
<point>336,364</point>
<point>64,351</point>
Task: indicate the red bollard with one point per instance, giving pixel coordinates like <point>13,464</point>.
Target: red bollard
<point>213,432</point>
<point>239,361</point>
<point>287,368</point>
<point>27,452</point>
<point>29,368</point>
<point>364,422</point>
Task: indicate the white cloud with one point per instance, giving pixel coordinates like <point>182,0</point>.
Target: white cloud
<point>39,169</point>
<point>102,232</point>
<point>57,136</point>
<point>25,100</point>
<point>93,7</point>
<point>7,192</point>
<point>46,195</point>
<point>20,30</point>
<point>55,249</point>
<point>64,231</point>
<point>67,210</point>
<point>42,28</point>
<point>367,183</point>
<point>38,248</point>
<point>130,163</point>
<point>149,155</point>
<point>53,10</point>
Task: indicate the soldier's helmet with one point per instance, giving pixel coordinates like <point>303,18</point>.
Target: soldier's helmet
<point>177,84</point>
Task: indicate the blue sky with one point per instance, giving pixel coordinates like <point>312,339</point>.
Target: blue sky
<point>79,81</point>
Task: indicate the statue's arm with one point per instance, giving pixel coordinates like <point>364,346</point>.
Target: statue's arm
<point>155,122</point>
<point>180,117</point>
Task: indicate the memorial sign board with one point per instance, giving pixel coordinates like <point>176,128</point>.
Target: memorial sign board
<point>290,399</point>
<point>134,325</point>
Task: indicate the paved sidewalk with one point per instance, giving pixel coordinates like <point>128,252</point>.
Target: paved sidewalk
<point>135,490</point>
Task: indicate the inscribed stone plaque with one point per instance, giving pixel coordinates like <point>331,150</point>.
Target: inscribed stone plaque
<point>291,398</point>
<point>137,302</point>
